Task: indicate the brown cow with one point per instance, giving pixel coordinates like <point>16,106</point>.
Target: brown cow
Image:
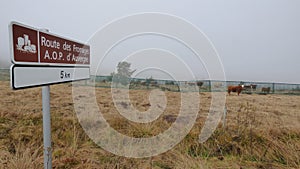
<point>266,89</point>
<point>199,84</point>
<point>250,87</point>
<point>237,89</point>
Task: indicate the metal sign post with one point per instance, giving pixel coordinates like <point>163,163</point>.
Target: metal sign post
<point>47,127</point>
<point>224,117</point>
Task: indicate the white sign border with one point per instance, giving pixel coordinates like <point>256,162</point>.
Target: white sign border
<point>38,38</point>
<point>39,84</point>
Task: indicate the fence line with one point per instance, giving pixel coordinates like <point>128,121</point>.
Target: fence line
<point>202,85</point>
<point>206,86</point>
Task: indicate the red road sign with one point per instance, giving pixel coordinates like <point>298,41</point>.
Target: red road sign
<point>35,47</point>
<point>24,44</point>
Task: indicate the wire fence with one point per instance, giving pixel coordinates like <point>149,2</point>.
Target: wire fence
<point>203,85</point>
<point>176,86</point>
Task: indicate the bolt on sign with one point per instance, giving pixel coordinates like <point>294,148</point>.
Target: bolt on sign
<point>33,46</point>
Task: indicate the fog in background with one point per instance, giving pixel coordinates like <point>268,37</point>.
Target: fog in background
<point>256,40</point>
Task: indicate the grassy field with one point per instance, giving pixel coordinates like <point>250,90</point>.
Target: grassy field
<point>262,131</point>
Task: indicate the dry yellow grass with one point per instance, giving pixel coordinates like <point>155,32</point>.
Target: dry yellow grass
<point>262,131</point>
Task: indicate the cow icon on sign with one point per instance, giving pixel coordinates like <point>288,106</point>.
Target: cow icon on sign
<point>24,44</point>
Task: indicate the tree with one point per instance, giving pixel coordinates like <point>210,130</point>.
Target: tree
<point>123,74</point>
<point>149,80</point>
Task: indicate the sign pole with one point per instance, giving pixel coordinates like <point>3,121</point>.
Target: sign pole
<point>224,117</point>
<point>47,127</point>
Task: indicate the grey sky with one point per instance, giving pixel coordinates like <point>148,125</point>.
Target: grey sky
<point>256,40</point>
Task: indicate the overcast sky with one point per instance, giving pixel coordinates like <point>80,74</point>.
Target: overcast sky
<point>257,40</point>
